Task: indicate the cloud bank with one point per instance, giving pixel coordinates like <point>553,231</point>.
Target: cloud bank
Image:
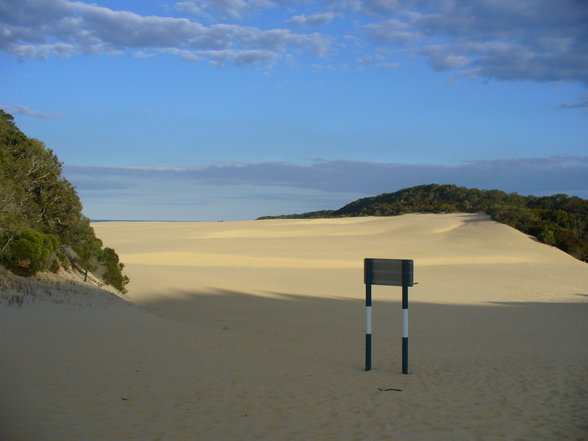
<point>250,190</point>
<point>524,40</point>
<point>534,40</point>
<point>539,176</point>
<point>60,28</point>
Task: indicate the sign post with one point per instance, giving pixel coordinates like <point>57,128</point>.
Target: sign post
<point>391,272</point>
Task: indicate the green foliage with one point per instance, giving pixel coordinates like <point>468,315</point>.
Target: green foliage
<point>558,220</point>
<point>310,215</point>
<point>30,251</point>
<point>113,275</point>
<point>34,196</point>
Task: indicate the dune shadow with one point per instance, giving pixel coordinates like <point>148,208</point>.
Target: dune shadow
<point>273,309</point>
<point>474,218</point>
<point>333,328</point>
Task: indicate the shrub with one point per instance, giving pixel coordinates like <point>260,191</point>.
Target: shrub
<point>548,236</point>
<point>113,275</point>
<point>29,253</point>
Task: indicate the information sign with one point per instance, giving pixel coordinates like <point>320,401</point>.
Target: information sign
<point>391,272</point>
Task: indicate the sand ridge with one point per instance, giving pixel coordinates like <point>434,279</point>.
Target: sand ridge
<point>275,255</point>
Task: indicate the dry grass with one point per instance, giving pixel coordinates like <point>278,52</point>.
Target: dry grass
<point>65,287</point>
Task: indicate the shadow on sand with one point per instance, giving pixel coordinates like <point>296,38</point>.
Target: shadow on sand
<point>317,326</point>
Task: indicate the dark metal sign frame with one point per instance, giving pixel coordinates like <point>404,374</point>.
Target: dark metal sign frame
<point>390,272</point>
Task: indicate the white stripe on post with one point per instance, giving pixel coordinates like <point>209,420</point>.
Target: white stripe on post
<point>368,319</point>
<point>404,323</point>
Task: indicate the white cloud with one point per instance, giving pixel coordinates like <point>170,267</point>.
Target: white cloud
<point>378,60</point>
<point>232,9</point>
<point>144,54</point>
<point>307,21</point>
<point>376,7</point>
<point>242,57</point>
<point>47,28</point>
<point>393,31</point>
<point>537,40</point>
<point>388,66</point>
<point>582,103</point>
<point>18,109</point>
<point>44,51</point>
<point>441,58</point>
<point>280,39</point>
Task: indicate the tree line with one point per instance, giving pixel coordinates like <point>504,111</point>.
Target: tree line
<point>558,220</point>
<point>41,222</point>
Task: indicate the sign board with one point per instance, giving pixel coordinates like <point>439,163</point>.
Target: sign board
<point>392,272</point>
<point>388,272</point>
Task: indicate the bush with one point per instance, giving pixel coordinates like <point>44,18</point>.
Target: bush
<point>548,236</point>
<point>29,253</point>
<point>113,275</point>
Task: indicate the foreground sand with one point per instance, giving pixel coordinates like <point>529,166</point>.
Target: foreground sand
<point>254,330</point>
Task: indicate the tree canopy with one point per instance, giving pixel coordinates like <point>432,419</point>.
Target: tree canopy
<point>41,218</point>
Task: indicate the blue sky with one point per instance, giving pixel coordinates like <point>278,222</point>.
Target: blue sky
<point>234,109</point>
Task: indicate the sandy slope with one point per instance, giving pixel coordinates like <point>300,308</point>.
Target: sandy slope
<point>254,330</point>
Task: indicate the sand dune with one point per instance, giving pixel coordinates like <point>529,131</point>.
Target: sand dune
<point>254,330</point>
<point>478,259</point>
<point>231,261</point>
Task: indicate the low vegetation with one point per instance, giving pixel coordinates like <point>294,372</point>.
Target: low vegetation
<point>41,222</point>
<point>559,220</point>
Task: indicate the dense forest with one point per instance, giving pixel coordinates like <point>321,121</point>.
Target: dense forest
<point>558,220</point>
<point>41,222</point>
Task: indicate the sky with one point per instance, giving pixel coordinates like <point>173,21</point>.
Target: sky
<point>208,110</point>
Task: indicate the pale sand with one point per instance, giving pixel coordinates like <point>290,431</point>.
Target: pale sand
<point>254,331</point>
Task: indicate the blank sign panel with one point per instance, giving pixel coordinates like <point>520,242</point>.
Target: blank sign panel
<point>388,272</point>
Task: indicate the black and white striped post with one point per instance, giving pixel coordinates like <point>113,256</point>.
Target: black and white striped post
<point>407,269</point>
<point>368,314</point>
<point>392,272</point>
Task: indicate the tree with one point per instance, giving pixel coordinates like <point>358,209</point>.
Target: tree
<point>37,202</point>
